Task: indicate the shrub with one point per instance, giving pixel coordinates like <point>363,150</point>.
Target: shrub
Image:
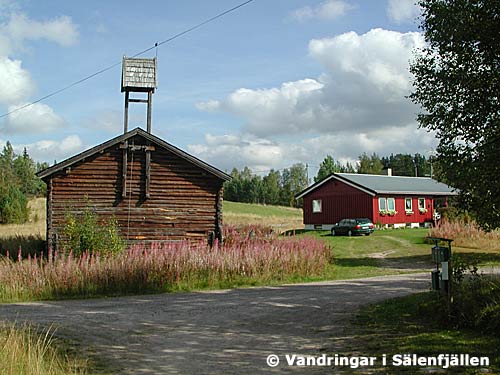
<point>86,233</point>
<point>13,206</point>
<point>475,301</point>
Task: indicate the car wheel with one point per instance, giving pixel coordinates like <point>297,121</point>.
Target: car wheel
<point>367,234</point>
<point>333,232</point>
<point>349,233</point>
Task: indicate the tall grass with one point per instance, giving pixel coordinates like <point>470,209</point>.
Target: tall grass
<point>467,235</point>
<point>246,258</point>
<point>24,352</point>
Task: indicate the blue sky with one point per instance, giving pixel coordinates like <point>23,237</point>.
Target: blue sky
<point>274,83</point>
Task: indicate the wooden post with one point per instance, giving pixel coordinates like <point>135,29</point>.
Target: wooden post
<point>50,244</point>
<point>124,169</point>
<point>148,171</point>
<point>125,115</point>
<point>150,100</point>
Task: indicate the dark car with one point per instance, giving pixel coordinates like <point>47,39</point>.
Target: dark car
<point>352,227</point>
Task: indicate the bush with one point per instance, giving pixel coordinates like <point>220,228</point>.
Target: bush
<point>13,206</point>
<point>475,302</point>
<point>86,233</point>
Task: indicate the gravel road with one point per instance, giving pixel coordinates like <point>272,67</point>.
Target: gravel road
<point>216,332</point>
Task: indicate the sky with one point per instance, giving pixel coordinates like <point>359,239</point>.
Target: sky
<point>274,83</point>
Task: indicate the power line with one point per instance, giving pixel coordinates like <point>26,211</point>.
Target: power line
<point>156,45</point>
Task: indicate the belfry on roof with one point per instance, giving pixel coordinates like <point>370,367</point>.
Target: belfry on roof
<point>139,75</point>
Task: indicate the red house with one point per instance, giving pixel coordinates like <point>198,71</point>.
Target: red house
<point>392,201</point>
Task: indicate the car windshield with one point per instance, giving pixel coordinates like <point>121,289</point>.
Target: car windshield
<point>363,221</point>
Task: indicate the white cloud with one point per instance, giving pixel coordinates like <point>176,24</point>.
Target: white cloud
<point>328,10</point>
<point>363,88</point>
<point>50,150</point>
<point>15,82</point>
<point>378,59</point>
<point>60,30</point>
<point>228,151</point>
<point>259,154</point>
<point>402,10</point>
<point>289,108</point>
<point>357,105</point>
<point>37,118</point>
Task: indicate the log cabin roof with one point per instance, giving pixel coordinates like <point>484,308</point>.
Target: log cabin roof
<point>47,173</point>
<point>380,184</point>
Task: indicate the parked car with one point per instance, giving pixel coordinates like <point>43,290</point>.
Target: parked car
<point>352,227</point>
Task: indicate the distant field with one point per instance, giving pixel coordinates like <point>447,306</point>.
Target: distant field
<point>280,218</point>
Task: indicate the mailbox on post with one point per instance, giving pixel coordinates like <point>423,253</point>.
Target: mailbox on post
<point>441,255</point>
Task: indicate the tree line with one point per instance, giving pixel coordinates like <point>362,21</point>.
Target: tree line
<point>280,188</point>
<point>18,182</point>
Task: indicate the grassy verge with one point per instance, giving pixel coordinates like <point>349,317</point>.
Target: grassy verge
<point>23,351</point>
<point>406,325</point>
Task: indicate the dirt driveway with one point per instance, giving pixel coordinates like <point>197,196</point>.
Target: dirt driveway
<point>218,332</point>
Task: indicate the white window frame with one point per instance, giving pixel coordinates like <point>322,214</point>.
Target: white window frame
<point>317,206</point>
<point>393,204</point>
<point>382,200</point>
<point>421,206</point>
<point>410,209</point>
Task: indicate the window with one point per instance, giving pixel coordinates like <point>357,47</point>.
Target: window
<point>316,206</point>
<point>408,205</point>
<point>382,204</point>
<point>421,204</point>
<point>391,204</point>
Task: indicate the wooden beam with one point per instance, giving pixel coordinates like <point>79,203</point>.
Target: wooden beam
<point>125,114</point>
<point>150,102</point>
<point>148,172</point>
<point>125,168</point>
<point>138,100</point>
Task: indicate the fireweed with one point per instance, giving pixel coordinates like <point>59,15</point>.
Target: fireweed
<point>251,256</point>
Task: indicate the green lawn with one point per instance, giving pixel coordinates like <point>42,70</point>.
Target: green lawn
<point>387,252</point>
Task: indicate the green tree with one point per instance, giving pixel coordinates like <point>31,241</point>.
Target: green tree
<point>271,187</point>
<point>294,180</point>
<point>7,165</point>
<point>457,83</point>
<point>327,167</point>
<point>370,164</point>
<point>25,168</point>
<point>13,205</point>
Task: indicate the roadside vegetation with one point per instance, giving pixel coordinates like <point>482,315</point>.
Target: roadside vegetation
<point>414,324</point>
<point>23,351</point>
<point>252,256</point>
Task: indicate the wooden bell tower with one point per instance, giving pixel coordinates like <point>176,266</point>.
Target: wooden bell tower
<point>138,75</point>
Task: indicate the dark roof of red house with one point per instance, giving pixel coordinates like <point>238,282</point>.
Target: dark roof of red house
<point>137,131</point>
<point>379,184</point>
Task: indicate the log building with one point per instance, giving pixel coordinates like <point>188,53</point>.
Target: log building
<point>155,191</point>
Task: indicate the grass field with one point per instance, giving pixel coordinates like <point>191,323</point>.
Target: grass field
<point>279,218</point>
